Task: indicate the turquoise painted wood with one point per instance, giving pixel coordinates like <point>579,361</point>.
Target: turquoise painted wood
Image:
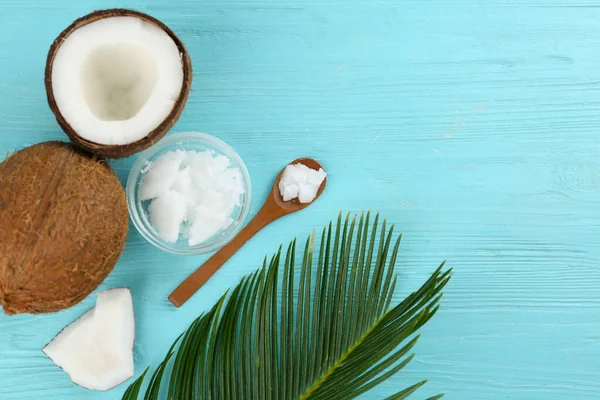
<point>472,125</point>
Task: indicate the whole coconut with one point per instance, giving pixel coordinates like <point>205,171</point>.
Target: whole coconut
<point>63,223</point>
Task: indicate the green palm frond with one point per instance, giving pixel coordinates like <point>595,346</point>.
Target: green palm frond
<point>325,332</point>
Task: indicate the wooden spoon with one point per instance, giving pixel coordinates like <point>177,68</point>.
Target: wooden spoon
<point>273,209</point>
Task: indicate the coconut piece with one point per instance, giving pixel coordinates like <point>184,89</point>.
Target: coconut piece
<point>212,215</point>
<point>183,182</point>
<point>220,163</point>
<point>229,180</point>
<point>63,224</point>
<point>300,181</point>
<point>307,192</point>
<point>290,191</point>
<point>206,224</point>
<point>202,169</point>
<point>117,80</point>
<point>96,350</point>
<point>167,213</point>
<point>162,174</point>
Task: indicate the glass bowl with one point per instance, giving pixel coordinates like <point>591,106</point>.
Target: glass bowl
<point>138,210</point>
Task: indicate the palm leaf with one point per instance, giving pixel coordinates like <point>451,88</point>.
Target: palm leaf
<point>320,332</point>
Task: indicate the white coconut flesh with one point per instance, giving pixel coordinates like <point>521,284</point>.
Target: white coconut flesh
<point>96,350</point>
<point>116,79</point>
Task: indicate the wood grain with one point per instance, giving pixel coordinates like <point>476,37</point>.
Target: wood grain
<point>479,120</point>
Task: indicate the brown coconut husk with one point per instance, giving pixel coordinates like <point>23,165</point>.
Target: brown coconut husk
<point>119,151</point>
<point>63,224</point>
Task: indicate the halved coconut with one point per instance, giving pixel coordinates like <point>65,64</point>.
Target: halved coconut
<point>117,80</point>
<point>96,350</point>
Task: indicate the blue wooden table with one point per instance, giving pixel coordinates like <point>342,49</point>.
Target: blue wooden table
<point>474,126</point>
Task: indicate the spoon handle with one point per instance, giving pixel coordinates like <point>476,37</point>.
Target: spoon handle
<point>198,278</point>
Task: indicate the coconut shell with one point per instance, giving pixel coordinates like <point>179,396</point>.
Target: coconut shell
<point>119,151</point>
<point>64,221</point>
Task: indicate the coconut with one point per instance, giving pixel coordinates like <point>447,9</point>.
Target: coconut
<point>63,225</point>
<point>117,80</point>
<point>96,350</point>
